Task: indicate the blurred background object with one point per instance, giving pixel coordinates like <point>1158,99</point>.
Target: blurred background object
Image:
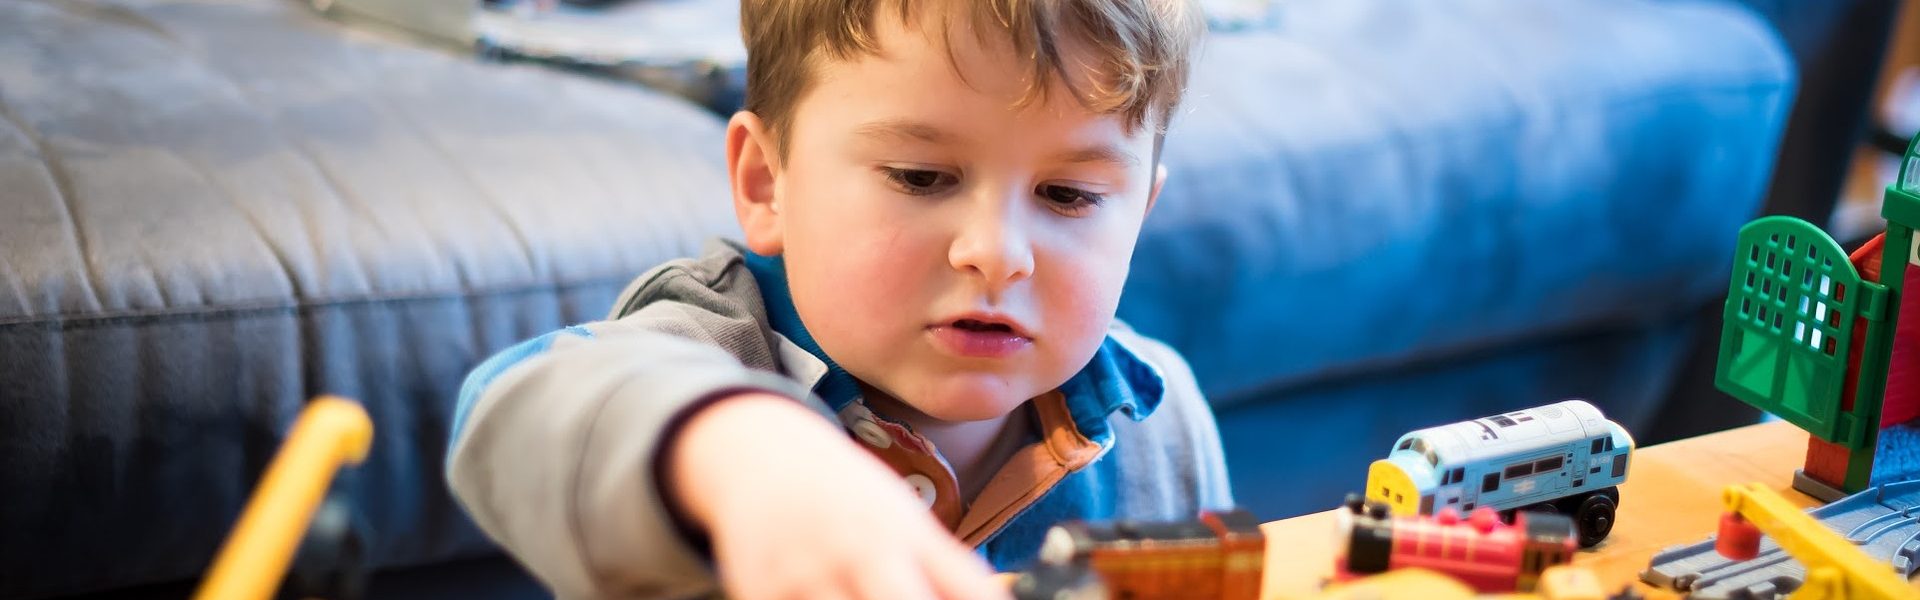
<point>1894,117</point>
<point>1383,214</point>
<point>446,21</point>
<point>689,48</point>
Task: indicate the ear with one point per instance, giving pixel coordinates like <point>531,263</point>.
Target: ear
<point>1159,180</point>
<point>753,167</point>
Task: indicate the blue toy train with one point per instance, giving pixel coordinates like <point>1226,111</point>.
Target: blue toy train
<point>1564,458</point>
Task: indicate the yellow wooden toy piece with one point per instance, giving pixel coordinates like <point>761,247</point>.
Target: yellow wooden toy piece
<point>1400,584</point>
<point>1567,582</point>
<point>331,432</point>
<point>1562,582</point>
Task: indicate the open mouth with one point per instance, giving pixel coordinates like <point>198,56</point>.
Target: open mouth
<point>981,326</point>
<point>981,336</point>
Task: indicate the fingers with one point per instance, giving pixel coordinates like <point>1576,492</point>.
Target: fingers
<point>811,586</point>
<point>957,573</point>
<point>898,579</point>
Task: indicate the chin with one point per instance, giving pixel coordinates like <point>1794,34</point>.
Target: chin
<point>972,398</point>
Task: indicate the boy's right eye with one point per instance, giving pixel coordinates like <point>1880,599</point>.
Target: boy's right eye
<point>918,182</point>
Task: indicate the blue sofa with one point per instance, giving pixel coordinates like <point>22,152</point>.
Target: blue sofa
<point>1383,214</point>
<point>1389,215</point>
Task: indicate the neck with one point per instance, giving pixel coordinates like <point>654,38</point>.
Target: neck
<point>963,443</point>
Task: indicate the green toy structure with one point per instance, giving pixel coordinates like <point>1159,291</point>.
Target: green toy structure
<point>1809,335</point>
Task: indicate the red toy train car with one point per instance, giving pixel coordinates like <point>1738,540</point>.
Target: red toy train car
<point>1218,555</point>
<point>1481,551</point>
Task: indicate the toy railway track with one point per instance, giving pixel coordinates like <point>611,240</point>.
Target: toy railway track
<point>1884,521</point>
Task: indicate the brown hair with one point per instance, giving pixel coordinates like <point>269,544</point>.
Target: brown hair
<point>1140,49</point>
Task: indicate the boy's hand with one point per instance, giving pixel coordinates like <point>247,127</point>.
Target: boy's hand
<point>796,510</point>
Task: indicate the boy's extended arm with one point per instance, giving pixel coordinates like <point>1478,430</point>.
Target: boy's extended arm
<point>554,451</point>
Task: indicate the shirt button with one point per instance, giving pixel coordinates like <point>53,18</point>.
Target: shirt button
<point>871,433</point>
<point>924,487</point>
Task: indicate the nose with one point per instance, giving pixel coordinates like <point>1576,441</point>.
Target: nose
<point>992,244</point>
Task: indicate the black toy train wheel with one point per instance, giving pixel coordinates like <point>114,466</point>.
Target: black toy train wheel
<point>1593,519</point>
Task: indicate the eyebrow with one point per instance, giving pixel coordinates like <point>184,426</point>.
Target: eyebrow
<point>904,128</point>
<point>1105,154</point>
<point>926,132</point>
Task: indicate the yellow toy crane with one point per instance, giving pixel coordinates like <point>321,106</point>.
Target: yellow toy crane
<point>330,432</point>
<point>1836,569</point>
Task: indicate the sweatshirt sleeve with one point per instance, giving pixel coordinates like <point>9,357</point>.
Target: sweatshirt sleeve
<point>1185,424</point>
<point>1203,432</point>
<point>553,448</point>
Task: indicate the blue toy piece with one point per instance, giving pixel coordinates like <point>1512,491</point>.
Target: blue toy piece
<point>1564,457</point>
<point>1897,454</point>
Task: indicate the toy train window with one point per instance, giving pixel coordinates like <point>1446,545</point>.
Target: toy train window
<point>1619,465</point>
<point>1550,464</point>
<point>1457,475</point>
<point>1409,444</point>
<point>1502,421</point>
<point>1420,445</point>
<point>1519,470</point>
<point>1490,483</point>
<point>1601,445</point>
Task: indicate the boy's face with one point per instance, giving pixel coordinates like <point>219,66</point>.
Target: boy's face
<point>950,249</point>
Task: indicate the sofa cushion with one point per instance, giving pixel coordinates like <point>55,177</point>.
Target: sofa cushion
<point>1381,182</point>
<point>216,210</point>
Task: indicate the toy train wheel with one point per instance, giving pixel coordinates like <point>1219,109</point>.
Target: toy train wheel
<point>1594,519</point>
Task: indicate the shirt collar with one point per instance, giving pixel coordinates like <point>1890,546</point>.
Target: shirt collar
<point>1116,379</point>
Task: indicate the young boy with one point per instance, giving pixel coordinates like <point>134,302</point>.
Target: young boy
<point>939,200</point>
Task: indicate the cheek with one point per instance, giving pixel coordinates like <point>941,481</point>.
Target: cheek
<point>857,284</point>
<point>860,242</point>
<point>872,281</point>
<point>1081,295</point>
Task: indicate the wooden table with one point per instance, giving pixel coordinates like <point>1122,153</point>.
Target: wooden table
<point>1672,496</point>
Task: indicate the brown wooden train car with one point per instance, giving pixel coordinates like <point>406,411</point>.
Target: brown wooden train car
<point>1217,555</point>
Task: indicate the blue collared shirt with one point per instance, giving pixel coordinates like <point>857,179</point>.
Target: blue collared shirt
<point>1116,379</point>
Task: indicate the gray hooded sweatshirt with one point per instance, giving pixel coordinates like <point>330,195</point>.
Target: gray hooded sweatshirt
<point>555,440</point>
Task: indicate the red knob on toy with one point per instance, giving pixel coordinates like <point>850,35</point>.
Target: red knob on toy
<point>1447,516</point>
<point>1739,539</point>
<point>1483,519</point>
